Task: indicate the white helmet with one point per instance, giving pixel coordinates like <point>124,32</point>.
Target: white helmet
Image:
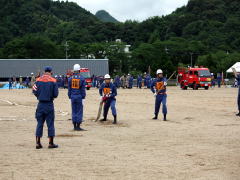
<point>107,76</point>
<point>159,71</point>
<point>76,67</point>
<point>212,74</point>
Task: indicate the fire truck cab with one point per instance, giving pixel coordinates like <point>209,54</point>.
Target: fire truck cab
<point>85,72</point>
<point>197,77</point>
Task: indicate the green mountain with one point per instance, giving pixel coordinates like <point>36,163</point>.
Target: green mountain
<point>58,20</point>
<point>105,16</point>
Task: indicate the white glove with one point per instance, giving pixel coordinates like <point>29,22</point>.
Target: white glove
<point>100,97</point>
<point>83,102</point>
<point>165,83</point>
<point>155,94</point>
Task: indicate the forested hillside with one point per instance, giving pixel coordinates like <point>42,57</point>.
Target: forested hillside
<point>105,16</point>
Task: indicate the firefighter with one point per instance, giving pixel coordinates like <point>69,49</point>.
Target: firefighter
<point>108,92</point>
<point>123,81</point>
<point>139,82</point>
<point>148,81</point>
<point>127,81</point>
<point>27,81</point>
<point>237,76</point>
<point>33,79</point>
<point>20,82</point>
<point>130,82</point>
<point>212,80</point>
<point>46,90</point>
<point>158,87</point>
<point>117,81</point>
<point>77,94</point>
<point>219,80</point>
<point>10,82</point>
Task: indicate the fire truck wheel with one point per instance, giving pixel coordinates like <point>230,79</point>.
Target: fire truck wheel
<point>195,87</point>
<point>183,87</point>
<point>88,88</point>
<point>206,88</point>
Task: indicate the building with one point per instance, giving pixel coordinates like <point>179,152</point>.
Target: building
<point>24,67</point>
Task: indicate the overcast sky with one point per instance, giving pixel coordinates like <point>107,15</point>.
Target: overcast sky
<point>132,9</point>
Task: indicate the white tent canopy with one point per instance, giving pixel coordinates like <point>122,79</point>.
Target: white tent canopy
<point>236,66</point>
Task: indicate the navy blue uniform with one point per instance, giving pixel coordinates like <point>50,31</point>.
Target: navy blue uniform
<point>219,80</point>
<point>45,89</point>
<point>117,82</point>
<point>148,81</point>
<point>10,83</point>
<point>130,82</point>
<point>158,87</point>
<point>139,82</point>
<point>77,92</point>
<point>238,82</point>
<point>109,92</point>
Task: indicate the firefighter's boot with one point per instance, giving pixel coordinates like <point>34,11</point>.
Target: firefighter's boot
<point>74,126</point>
<point>51,143</point>
<point>78,128</point>
<point>38,143</point>
<point>104,119</point>
<point>238,114</point>
<point>155,117</point>
<point>115,119</point>
<point>165,117</point>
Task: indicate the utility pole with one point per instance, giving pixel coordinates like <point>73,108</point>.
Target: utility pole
<point>66,49</point>
<point>191,59</point>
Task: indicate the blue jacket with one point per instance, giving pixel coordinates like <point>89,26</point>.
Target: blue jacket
<point>117,80</point>
<point>131,79</point>
<point>45,88</point>
<point>157,86</point>
<point>238,79</point>
<point>108,89</point>
<point>139,79</point>
<point>76,87</point>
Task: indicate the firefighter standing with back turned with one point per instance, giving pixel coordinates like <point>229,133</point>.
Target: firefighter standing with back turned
<point>158,87</point>
<point>46,90</point>
<point>77,94</point>
<point>108,92</point>
<point>237,76</point>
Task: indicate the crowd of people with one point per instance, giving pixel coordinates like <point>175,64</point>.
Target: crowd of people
<point>125,81</point>
<point>21,82</point>
<point>27,82</point>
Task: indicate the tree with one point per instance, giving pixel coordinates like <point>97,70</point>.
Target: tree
<point>31,47</point>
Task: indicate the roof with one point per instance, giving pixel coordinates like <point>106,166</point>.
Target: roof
<point>24,67</point>
<point>236,66</point>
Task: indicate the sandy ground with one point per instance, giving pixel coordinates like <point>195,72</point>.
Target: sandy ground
<point>201,140</point>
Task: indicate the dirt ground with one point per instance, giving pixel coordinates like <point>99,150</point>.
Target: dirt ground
<point>201,140</point>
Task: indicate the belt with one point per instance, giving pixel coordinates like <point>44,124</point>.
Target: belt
<point>45,101</point>
<point>162,93</point>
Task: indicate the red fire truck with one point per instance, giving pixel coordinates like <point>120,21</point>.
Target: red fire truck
<point>197,77</point>
<point>85,72</point>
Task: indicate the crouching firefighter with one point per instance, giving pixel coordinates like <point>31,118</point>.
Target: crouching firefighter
<point>108,92</point>
<point>158,87</point>
<point>46,90</point>
<point>77,94</point>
